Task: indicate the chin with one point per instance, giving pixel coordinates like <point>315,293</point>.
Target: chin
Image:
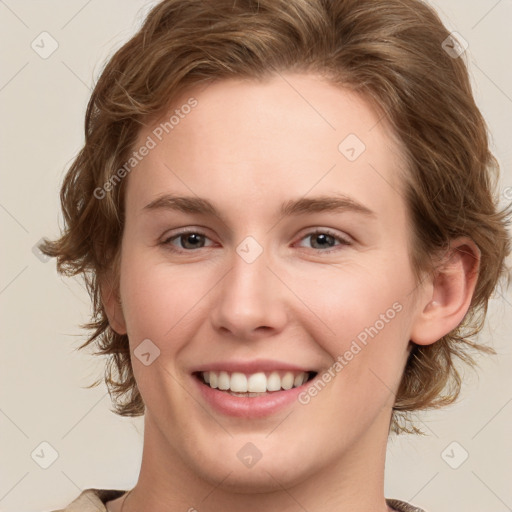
<point>273,471</point>
<point>253,481</point>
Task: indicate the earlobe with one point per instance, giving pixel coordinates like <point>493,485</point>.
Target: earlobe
<point>450,293</point>
<point>112,305</point>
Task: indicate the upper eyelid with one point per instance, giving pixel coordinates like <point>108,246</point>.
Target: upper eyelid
<point>198,231</point>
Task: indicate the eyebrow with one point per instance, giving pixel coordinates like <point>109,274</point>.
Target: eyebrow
<point>304,205</point>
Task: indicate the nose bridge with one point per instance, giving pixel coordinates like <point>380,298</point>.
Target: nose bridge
<point>249,297</point>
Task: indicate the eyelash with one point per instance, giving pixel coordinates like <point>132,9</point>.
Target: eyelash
<point>341,240</point>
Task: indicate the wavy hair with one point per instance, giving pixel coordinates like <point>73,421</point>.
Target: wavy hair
<point>393,53</point>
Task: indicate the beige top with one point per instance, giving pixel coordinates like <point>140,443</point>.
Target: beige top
<point>93,500</point>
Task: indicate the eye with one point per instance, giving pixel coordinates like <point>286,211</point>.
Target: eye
<point>323,239</point>
<point>187,240</point>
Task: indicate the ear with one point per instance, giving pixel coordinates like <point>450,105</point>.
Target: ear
<point>448,295</point>
<point>112,304</point>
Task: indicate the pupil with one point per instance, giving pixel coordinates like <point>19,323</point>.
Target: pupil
<point>324,239</point>
<point>192,239</point>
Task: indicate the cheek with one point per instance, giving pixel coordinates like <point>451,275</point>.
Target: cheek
<point>146,297</point>
<point>364,316</point>
<point>345,300</point>
<point>159,299</point>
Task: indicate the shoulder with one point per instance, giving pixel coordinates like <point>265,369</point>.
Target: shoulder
<point>402,506</point>
<point>92,500</point>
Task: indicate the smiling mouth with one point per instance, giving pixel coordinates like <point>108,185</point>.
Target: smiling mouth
<point>254,384</point>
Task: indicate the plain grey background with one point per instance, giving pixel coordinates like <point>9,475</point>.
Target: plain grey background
<point>51,54</point>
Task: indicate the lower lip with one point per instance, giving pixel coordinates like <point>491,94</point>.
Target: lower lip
<point>248,407</point>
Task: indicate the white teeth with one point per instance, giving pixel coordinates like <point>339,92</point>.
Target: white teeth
<point>223,381</point>
<point>298,381</point>
<point>274,382</point>
<point>254,383</point>
<point>287,381</point>
<point>257,383</point>
<point>238,383</point>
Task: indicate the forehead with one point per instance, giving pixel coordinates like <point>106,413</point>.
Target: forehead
<point>247,140</point>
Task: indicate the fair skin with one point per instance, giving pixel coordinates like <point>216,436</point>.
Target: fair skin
<point>248,147</point>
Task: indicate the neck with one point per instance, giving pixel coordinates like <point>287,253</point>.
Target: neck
<point>355,482</point>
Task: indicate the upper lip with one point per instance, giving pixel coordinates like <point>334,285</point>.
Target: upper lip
<point>249,367</point>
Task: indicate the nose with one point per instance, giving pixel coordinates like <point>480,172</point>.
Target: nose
<point>250,301</point>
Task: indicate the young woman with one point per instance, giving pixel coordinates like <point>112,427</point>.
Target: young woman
<point>284,215</point>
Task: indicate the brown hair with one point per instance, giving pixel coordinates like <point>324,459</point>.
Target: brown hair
<point>390,51</point>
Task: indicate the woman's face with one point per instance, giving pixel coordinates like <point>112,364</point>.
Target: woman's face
<point>304,264</point>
